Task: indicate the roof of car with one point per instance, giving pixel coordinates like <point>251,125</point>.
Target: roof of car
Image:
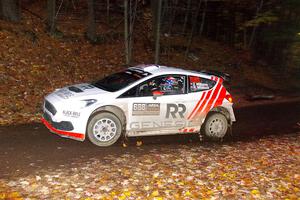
<point>158,69</point>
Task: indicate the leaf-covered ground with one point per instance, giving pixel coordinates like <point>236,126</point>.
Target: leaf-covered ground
<point>266,168</point>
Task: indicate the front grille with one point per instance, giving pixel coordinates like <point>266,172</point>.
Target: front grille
<point>50,107</point>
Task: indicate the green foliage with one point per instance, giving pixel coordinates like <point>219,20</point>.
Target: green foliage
<point>278,27</point>
<point>287,33</point>
<point>294,55</point>
<point>267,17</point>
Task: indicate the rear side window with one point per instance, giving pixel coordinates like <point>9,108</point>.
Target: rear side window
<point>198,84</point>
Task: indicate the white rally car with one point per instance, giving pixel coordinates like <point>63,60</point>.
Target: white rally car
<point>141,101</point>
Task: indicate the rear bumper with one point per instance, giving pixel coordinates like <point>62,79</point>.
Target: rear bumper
<point>76,136</point>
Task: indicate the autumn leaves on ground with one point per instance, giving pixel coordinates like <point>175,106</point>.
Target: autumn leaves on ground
<point>267,168</point>
<point>34,64</point>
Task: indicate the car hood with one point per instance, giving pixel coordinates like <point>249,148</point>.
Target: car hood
<point>79,91</point>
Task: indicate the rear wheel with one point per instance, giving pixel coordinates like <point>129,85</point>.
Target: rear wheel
<point>215,126</point>
<point>104,129</point>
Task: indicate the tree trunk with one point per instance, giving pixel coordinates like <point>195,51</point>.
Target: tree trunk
<point>51,18</point>
<point>172,18</point>
<point>154,8</point>
<point>10,10</point>
<point>130,36</point>
<point>107,9</point>
<point>91,30</point>
<point>232,26</point>
<point>187,12</point>
<point>245,38</point>
<point>255,27</point>
<point>193,29</point>
<point>157,37</point>
<point>203,19</point>
<point>126,33</point>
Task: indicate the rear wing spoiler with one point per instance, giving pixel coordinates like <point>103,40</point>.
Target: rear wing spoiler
<point>226,77</point>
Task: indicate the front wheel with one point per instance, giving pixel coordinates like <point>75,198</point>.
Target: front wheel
<point>215,126</point>
<point>104,129</point>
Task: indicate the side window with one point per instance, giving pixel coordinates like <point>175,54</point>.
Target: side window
<point>197,84</point>
<point>163,85</point>
<point>130,93</point>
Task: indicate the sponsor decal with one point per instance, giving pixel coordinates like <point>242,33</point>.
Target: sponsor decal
<point>144,125</point>
<point>145,109</point>
<point>175,110</point>
<point>202,86</point>
<point>69,113</point>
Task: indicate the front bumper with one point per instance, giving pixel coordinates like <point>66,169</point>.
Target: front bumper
<point>63,125</point>
<point>73,127</point>
<point>50,125</point>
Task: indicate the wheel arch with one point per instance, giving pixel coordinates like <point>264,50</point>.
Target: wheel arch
<point>223,111</point>
<point>112,109</point>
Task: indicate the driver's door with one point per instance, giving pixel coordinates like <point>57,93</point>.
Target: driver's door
<point>159,107</point>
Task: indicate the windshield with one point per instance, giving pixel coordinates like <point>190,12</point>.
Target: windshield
<point>119,80</point>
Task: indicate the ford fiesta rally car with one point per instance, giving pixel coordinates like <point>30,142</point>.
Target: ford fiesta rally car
<point>141,101</point>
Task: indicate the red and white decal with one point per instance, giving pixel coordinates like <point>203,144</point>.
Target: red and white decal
<point>215,78</point>
<point>209,99</point>
<point>203,96</point>
<point>187,130</point>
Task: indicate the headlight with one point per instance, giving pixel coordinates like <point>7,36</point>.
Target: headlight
<point>87,102</point>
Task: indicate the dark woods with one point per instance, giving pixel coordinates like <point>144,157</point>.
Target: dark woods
<point>10,10</point>
<point>269,29</point>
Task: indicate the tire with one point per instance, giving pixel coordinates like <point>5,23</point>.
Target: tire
<point>215,126</point>
<point>104,129</point>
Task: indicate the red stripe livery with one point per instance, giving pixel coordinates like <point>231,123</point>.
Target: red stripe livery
<point>210,99</point>
<point>201,99</point>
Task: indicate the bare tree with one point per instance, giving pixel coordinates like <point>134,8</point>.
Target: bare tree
<point>193,29</point>
<point>258,9</point>
<point>203,18</point>
<point>91,30</point>
<point>187,12</point>
<point>10,10</point>
<point>126,32</point>
<point>130,11</point>
<point>157,35</point>
<point>51,18</point>
<point>107,9</point>
<point>172,18</point>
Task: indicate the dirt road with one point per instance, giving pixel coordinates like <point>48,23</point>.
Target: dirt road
<point>26,148</point>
